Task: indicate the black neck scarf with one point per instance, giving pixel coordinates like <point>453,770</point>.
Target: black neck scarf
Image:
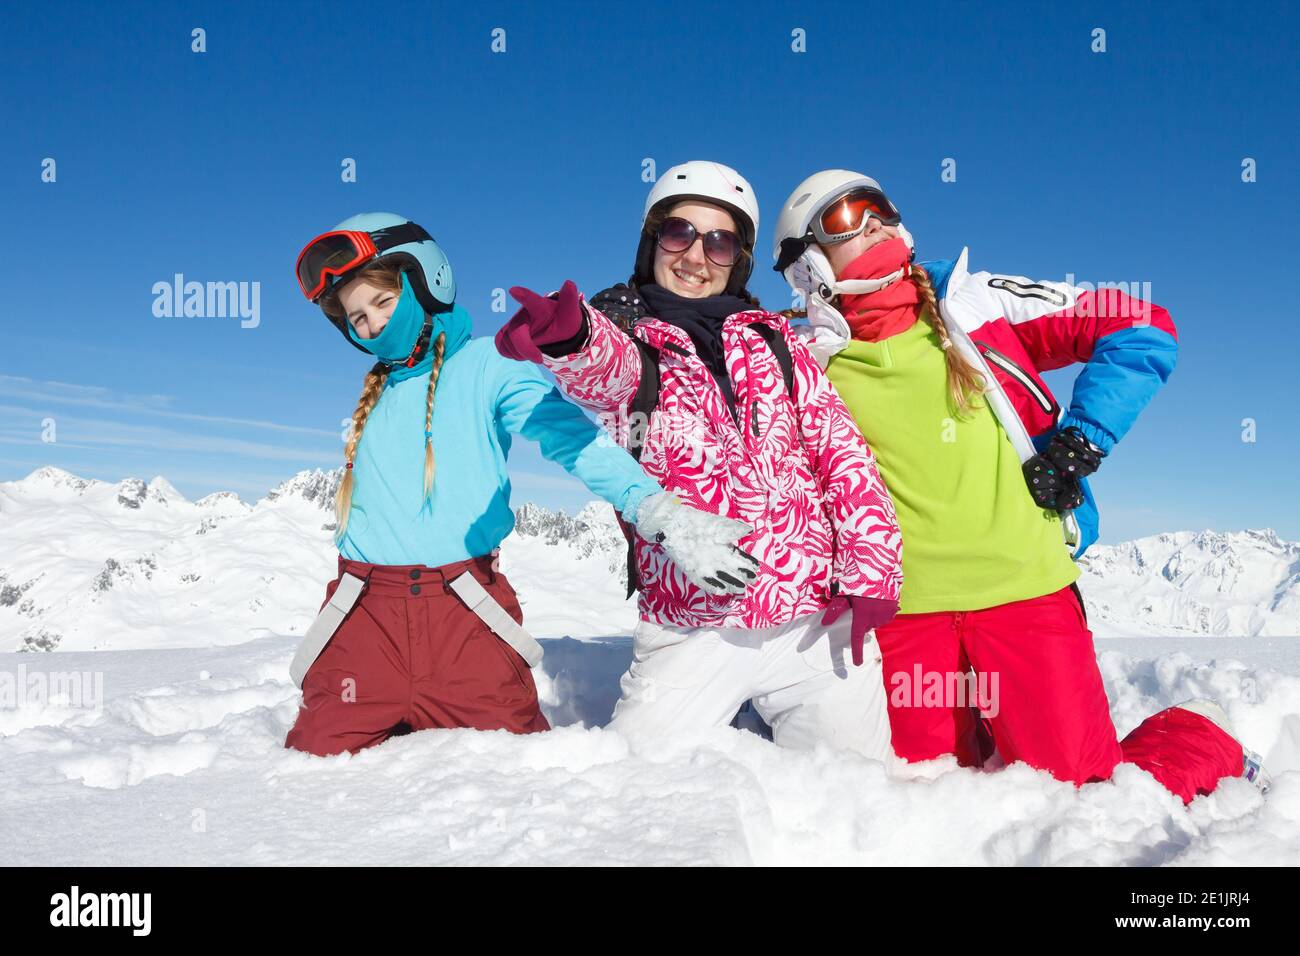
<point>702,320</point>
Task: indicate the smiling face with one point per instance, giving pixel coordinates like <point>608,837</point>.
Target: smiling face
<point>692,274</point>
<point>367,307</point>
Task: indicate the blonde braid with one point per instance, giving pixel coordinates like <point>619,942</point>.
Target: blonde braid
<point>964,381</point>
<point>370,392</point>
<point>438,348</point>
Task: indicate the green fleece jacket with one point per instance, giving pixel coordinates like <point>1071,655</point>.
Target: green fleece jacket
<point>972,536</point>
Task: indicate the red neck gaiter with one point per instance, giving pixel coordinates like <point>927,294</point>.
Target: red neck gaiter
<point>873,316</point>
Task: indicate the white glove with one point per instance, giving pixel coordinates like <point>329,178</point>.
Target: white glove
<point>701,544</point>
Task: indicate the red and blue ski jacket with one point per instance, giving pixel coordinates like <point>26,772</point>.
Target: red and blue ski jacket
<point>1014,329</point>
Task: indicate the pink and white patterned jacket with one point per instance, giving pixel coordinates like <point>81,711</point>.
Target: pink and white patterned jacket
<point>800,473</point>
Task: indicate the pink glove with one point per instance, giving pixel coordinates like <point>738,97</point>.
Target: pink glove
<point>868,614</point>
<point>540,321</point>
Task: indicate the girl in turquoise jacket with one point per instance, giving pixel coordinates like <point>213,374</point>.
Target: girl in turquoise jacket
<point>421,629</point>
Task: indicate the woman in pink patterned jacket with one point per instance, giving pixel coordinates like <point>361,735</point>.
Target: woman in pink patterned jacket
<point>743,423</point>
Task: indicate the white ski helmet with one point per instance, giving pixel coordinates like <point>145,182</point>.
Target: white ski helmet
<point>800,259</point>
<point>711,182</point>
<point>795,240</point>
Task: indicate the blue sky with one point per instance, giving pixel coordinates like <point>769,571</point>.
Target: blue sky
<point>526,165</point>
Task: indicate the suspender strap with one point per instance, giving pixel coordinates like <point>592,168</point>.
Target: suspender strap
<point>491,613</point>
<point>327,622</point>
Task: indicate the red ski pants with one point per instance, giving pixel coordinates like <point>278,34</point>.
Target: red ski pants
<point>411,656</point>
<point>1033,671</point>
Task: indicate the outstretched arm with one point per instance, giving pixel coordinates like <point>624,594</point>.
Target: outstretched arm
<point>595,363</point>
<point>701,544</point>
<point>527,404</point>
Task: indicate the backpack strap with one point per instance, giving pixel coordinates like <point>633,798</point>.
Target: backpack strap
<point>776,342</point>
<point>646,400</point>
<point>643,404</point>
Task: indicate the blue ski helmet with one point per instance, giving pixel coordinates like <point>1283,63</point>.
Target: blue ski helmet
<point>423,261</point>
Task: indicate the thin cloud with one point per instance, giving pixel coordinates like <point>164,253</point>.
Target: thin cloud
<point>104,433</point>
<point>95,396</point>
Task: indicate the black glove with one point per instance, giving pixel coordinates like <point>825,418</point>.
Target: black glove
<point>1053,476</point>
<point>621,304</point>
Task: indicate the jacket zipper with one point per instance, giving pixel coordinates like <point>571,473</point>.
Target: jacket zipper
<point>1021,376</point>
<point>1012,424</point>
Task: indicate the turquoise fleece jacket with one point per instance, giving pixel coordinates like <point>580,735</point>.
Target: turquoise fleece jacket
<point>482,400</point>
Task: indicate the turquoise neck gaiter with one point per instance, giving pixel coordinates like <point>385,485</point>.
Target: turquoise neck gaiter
<point>395,342</point>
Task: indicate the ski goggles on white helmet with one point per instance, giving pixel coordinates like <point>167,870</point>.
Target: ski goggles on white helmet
<point>846,216</point>
<point>839,220</point>
<point>339,252</point>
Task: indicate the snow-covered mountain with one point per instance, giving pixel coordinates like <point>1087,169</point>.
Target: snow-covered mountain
<point>1205,582</point>
<point>570,571</point>
<point>95,565</point>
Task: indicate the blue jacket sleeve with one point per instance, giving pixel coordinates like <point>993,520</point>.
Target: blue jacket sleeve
<point>528,404</point>
<point>1128,346</point>
<point>1125,371</point>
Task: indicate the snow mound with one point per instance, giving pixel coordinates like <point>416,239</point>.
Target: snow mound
<point>180,757</point>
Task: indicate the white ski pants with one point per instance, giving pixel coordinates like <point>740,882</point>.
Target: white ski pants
<point>800,677</point>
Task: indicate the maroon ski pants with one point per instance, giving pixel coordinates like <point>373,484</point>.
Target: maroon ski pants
<point>411,656</point>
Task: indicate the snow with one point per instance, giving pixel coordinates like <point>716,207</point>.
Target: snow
<point>154,733</point>
<point>570,573</point>
<point>183,761</point>
<point>93,565</point>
